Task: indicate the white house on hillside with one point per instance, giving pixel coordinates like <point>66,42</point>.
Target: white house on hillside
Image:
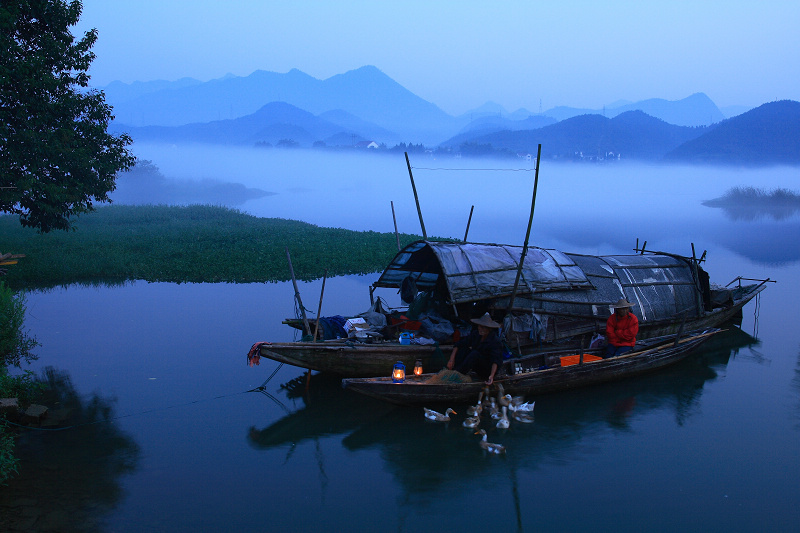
<point>367,144</point>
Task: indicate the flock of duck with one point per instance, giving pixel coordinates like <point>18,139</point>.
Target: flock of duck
<point>496,408</point>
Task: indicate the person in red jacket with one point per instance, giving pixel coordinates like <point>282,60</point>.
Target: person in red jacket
<point>621,329</point>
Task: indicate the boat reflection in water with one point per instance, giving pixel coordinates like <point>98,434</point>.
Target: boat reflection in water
<point>328,411</point>
<point>425,455</point>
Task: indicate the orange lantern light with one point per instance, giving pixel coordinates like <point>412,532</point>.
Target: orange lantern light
<point>418,368</point>
<point>398,372</point>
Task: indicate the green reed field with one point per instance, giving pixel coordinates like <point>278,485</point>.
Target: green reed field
<point>197,243</point>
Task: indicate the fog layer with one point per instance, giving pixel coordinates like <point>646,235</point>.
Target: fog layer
<point>587,208</point>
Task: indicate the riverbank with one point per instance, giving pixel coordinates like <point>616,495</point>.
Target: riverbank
<point>197,243</point>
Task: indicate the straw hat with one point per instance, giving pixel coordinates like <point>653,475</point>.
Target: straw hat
<point>485,320</point>
<point>622,303</point>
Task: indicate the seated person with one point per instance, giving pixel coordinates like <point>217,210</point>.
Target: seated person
<point>621,329</point>
<point>480,351</point>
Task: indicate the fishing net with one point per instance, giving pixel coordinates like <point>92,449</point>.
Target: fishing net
<point>449,376</point>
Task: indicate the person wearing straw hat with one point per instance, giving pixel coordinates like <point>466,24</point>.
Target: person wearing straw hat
<point>621,329</point>
<point>480,351</point>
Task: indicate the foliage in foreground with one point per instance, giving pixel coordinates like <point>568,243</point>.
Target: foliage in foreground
<point>8,462</point>
<point>57,155</point>
<point>15,347</point>
<point>25,388</point>
<point>15,344</point>
<point>197,243</point>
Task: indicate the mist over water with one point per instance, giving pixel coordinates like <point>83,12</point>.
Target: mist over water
<point>590,208</point>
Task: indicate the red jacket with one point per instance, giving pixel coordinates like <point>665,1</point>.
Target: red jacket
<point>622,331</point>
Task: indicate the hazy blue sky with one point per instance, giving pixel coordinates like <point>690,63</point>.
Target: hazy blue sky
<point>460,54</point>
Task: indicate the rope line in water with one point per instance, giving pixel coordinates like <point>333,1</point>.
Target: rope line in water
<point>756,313</point>
<point>148,411</point>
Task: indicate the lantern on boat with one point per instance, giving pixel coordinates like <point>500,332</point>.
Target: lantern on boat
<point>418,368</point>
<point>398,372</point>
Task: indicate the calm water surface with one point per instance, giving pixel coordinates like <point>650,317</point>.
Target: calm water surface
<point>711,444</point>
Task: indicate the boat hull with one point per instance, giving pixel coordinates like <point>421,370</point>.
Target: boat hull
<point>354,358</point>
<point>357,359</point>
<point>417,390</point>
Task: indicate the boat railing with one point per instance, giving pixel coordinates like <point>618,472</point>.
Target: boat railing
<point>739,279</point>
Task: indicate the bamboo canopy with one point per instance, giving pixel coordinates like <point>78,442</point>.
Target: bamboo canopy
<point>478,271</point>
<point>660,285</point>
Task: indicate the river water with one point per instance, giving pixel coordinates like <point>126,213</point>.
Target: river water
<point>711,444</point>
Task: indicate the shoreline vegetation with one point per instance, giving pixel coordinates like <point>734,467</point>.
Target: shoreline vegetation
<point>188,244</point>
<point>751,203</point>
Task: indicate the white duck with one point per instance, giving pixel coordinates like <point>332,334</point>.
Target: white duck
<point>518,403</point>
<point>471,422</point>
<point>490,447</point>
<point>436,416</point>
<point>507,401</point>
<point>493,411</point>
<point>476,409</point>
<point>520,416</point>
<point>503,422</point>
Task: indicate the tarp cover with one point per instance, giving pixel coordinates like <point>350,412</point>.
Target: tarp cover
<point>480,271</point>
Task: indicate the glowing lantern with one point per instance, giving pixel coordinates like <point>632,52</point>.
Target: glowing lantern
<point>418,368</point>
<point>398,372</point>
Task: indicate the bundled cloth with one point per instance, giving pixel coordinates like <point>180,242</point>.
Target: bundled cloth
<point>254,355</point>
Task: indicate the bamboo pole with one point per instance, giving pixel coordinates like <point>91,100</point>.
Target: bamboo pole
<point>698,285</point>
<point>416,198</point>
<point>469,221</point>
<point>528,233</point>
<point>666,345</point>
<point>319,309</point>
<point>297,294</point>
<point>396,235</point>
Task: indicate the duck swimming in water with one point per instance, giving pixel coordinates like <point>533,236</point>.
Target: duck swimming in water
<point>490,447</point>
<point>518,403</point>
<point>471,422</point>
<point>494,412</point>
<point>476,409</point>
<point>503,422</point>
<point>523,417</point>
<point>436,416</point>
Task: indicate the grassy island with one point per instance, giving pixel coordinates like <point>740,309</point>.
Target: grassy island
<point>197,243</point>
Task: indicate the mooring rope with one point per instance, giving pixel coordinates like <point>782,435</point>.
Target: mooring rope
<point>261,388</point>
<point>147,411</point>
<point>756,313</point>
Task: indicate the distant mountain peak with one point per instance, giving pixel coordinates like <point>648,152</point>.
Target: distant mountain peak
<point>367,72</point>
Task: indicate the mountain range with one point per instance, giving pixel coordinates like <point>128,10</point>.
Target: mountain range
<point>366,105</point>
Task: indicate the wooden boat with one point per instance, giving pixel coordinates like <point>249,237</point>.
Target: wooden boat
<point>560,301</point>
<point>525,375</point>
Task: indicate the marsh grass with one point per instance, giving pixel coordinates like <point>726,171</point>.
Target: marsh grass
<point>197,243</point>
<point>752,203</point>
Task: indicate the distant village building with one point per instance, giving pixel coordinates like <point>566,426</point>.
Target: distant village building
<point>367,144</point>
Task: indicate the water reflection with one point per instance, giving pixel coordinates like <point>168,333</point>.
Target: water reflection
<point>69,476</point>
<point>749,213</point>
<point>765,242</point>
<point>327,410</point>
<point>796,387</point>
<point>424,457</point>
